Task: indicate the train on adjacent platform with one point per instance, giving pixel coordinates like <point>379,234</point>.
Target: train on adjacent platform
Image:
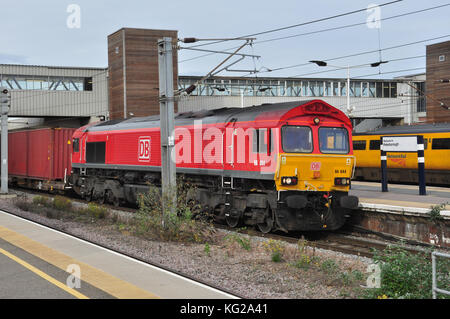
<point>284,166</point>
<point>402,167</point>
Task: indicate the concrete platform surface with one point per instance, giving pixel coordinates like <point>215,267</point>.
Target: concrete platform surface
<point>38,262</point>
<point>405,197</point>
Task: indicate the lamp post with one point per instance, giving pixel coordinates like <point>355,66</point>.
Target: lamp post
<point>323,63</point>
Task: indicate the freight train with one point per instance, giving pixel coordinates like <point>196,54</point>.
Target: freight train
<point>402,167</point>
<point>282,166</point>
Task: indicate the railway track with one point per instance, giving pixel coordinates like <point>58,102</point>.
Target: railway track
<point>352,240</point>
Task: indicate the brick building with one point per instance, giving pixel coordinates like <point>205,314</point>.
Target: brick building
<point>437,85</point>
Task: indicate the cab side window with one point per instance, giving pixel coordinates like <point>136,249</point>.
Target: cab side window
<point>259,141</point>
<point>76,145</point>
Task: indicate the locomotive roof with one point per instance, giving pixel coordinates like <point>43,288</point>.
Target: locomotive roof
<point>409,129</point>
<point>222,115</point>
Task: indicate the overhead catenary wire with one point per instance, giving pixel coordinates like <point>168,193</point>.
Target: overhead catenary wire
<point>297,25</point>
<point>340,69</point>
<point>327,29</point>
<point>356,54</point>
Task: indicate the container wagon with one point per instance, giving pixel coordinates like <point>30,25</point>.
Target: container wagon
<point>40,158</point>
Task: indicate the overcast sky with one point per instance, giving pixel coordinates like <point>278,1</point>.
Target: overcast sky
<point>38,32</point>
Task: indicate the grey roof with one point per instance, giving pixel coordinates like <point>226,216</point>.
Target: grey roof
<point>409,129</point>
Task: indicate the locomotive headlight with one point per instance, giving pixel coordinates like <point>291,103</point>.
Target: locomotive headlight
<point>341,181</point>
<point>316,120</point>
<point>289,180</point>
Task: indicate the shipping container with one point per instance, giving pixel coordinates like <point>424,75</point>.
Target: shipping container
<point>40,158</point>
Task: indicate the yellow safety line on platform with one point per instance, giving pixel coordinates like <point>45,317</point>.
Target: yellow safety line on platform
<point>97,278</point>
<point>43,275</point>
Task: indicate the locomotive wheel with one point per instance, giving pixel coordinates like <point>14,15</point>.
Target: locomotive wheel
<point>266,226</point>
<point>102,199</point>
<point>233,219</point>
<point>88,196</point>
<point>116,201</point>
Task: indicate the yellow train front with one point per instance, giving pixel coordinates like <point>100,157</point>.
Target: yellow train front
<point>314,170</point>
<point>402,167</point>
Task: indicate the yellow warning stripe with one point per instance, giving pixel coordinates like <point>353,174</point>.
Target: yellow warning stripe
<point>44,275</point>
<point>95,277</point>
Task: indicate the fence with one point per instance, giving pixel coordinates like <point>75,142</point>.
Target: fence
<point>435,288</point>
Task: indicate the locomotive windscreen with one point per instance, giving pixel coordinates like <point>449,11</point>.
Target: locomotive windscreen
<point>333,140</point>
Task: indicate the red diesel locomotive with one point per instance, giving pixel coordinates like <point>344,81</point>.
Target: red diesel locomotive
<point>280,166</point>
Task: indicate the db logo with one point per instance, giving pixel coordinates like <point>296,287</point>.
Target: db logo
<point>144,148</point>
<point>315,166</point>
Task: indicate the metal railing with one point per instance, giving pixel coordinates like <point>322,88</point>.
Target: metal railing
<point>435,254</point>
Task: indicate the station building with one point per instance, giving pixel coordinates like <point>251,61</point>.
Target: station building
<point>66,96</point>
<point>42,95</point>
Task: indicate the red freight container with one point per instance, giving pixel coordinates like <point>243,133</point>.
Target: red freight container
<point>40,154</point>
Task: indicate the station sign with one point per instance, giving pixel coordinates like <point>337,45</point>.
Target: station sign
<point>403,144</point>
<point>399,143</point>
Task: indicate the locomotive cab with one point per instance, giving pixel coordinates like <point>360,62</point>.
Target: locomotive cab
<point>315,167</point>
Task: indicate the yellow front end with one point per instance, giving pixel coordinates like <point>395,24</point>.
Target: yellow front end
<point>314,172</point>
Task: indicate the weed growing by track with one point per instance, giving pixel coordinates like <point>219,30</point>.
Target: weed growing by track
<point>435,212</point>
<point>405,275</point>
<point>276,248</point>
<point>168,222</point>
<point>62,208</point>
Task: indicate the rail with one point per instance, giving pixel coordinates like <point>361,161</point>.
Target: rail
<point>435,289</point>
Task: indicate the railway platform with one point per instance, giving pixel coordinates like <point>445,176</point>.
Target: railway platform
<point>39,262</point>
<point>406,196</point>
<point>403,212</point>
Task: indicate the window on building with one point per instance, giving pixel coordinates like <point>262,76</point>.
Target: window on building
<point>365,89</point>
<point>328,91</point>
<point>421,99</point>
<point>88,84</point>
<point>343,88</point>
<point>386,89</point>
<point>32,82</point>
<point>372,89</point>
<point>357,89</point>
<point>379,89</point>
<point>336,88</point>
